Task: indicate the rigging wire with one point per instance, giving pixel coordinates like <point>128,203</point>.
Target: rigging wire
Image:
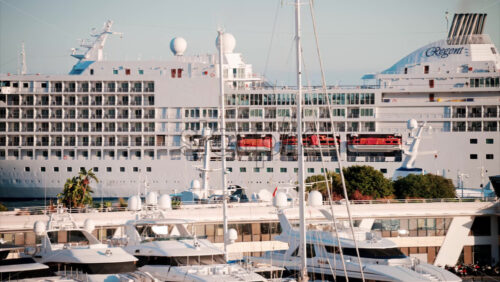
<point>323,82</point>
<point>272,37</point>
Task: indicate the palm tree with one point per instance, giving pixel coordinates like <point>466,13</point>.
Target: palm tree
<point>86,176</point>
<point>77,190</point>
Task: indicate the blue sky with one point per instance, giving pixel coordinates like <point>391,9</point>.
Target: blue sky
<point>356,36</point>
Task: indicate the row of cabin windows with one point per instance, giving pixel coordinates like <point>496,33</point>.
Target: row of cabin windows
<point>488,141</point>
<point>284,170</point>
<point>488,156</point>
<point>95,169</point>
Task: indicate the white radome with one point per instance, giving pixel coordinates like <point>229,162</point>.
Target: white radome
<point>134,203</point>
<point>165,202</point>
<point>89,225</point>
<point>280,200</point>
<point>412,123</point>
<point>151,198</point>
<point>195,184</point>
<point>178,46</point>
<point>232,235</point>
<point>39,228</point>
<point>315,199</point>
<point>228,41</point>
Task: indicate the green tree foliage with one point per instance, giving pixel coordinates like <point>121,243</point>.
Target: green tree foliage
<point>424,186</point>
<point>3,208</point>
<point>362,183</point>
<point>368,182</point>
<point>77,191</point>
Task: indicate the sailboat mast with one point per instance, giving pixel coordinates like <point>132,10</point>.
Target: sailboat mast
<point>303,258</point>
<point>223,140</point>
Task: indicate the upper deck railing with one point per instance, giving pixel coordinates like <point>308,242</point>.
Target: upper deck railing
<point>40,210</point>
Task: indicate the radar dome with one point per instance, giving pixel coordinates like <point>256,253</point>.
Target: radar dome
<point>195,184</point>
<point>233,235</point>
<point>228,43</point>
<point>151,198</point>
<point>165,202</point>
<point>315,199</point>
<point>39,228</point>
<point>89,225</point>
<point>280,200</point>
<point>264,195</point>
<point>134,203</point>
<point>412,123</point>
<point>178,46</point>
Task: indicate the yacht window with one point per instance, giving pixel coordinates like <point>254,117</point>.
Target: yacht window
<point>388,253</point>
<point>332,249</point>
<point>310,253</point>
<point>72,237</point>
<point>198,260</point>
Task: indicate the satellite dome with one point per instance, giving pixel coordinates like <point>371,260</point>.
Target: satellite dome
<point>134,203</point>
<point>151,198</point>
<point>315,199</point>
<point>89,225</point>
<point>39,228</point>
<point>165,202</point>
<point>178,46</point>
<point>280,200</point>
<point>195,184</point>
<point>412,123</point>
<point>228,41</point>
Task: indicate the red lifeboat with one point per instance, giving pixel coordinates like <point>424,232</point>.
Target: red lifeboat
<point>374,144</point>
<point>255,144</point>
<point>311,141</point>
<point>323,140</point>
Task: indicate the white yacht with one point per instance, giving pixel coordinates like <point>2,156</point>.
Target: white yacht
<point>167,249</point>
<point>381,258</point>
<point>76,249</point>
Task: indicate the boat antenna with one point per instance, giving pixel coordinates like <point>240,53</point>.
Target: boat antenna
<point>302,225</point>
<point>223,140</point>
<point>446,17</point>
<point>23,59</point>
<point>339,161</point>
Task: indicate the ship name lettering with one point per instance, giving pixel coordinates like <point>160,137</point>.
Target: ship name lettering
<point>443,52</point>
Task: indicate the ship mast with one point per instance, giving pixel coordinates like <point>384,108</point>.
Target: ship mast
<point>302,227</point>
<point>223,141</point>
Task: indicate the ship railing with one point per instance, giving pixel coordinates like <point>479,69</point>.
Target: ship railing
<point>107,207</point>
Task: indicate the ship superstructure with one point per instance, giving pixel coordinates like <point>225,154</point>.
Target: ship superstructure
<point>137,121</point>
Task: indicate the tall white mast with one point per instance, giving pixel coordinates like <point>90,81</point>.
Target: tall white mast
<point>223,140</point>
<point>302,247</point>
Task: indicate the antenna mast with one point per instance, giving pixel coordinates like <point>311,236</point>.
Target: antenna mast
<point>223,140</point>
<point>94,48</point>
<point>23,59</point>
<point>302,214</point>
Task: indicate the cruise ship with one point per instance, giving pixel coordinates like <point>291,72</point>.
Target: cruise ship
<point>140,123</point>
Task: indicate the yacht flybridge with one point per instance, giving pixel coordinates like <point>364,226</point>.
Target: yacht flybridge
<point>78,250</point>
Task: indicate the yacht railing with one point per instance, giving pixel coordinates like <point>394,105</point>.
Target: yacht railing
<point>34,210</point>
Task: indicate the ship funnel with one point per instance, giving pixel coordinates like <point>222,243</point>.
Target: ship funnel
<point>466,29</point>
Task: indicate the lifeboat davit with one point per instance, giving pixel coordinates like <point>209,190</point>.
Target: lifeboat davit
<point>255,144</point>
<point>374,144</point>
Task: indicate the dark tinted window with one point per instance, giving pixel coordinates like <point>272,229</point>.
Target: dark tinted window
<point>375,253</point>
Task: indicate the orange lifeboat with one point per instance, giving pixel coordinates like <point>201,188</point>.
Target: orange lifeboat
<point>311,142</point>
<point>255,144</point>
<point>374,144</point>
